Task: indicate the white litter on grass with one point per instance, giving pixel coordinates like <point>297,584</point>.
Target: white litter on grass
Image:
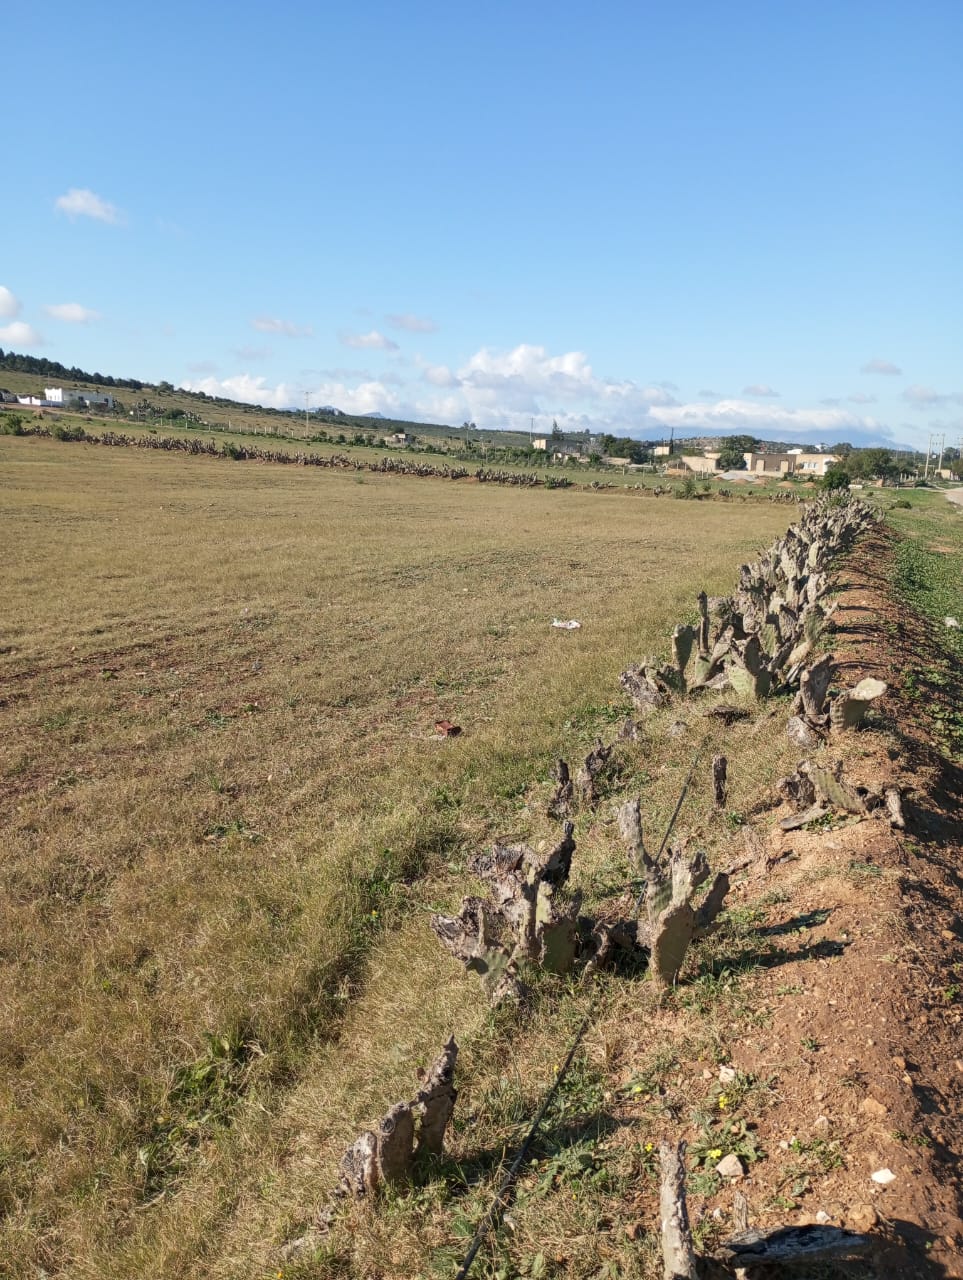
<point>884,1177</point>
<point>950,622</point>
<point>571,625</point>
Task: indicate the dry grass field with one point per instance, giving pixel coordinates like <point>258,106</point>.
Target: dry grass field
<point>224,814</point>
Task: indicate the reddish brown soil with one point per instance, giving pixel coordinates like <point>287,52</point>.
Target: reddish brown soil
<point>866,1038</point>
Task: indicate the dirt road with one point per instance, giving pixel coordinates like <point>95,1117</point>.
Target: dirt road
<point>955,495</point>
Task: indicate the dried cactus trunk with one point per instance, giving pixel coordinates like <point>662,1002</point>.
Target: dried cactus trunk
<point>683,638</point>
<point>630,828</point>
<point>813,687</point>
<point>894,807</point>
<point>641,687</point>
<point>435,1101</point>
<point>386,1155</point>
<point>672,922</point>
<point>703,624</point>
<point>720,771</point>
<point>468,936</point>
<point>678,1252</point>
<point>522,922</point>
<point>588,775</point>
<point>560,804</point>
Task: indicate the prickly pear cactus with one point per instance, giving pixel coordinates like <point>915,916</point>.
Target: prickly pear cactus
<point>848,710</point>
<point>683,638</point>
<point>833,790</point>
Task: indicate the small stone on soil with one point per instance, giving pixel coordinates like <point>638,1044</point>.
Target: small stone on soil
<point>872,1107</point>
<point>862,1217</point>
<point>730,1167</point>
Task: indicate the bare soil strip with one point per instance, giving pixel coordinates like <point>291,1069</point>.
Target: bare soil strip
<point>869,1052</point>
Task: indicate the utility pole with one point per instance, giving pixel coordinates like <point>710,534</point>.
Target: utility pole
<point>939,465</point>
<point>305,413</point>
<point>929,450</point>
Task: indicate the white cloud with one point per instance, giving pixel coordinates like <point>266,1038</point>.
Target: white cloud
<point>860,397</point>
<point>373,341</point>
<point>529,380</point>
<point>20,334</point>
<point>706,394</point>
<point>761,389</point>
<point>413,324</point>
<point>79,202</point>
<point>439,375</point>
<point>9,304</point>
<point>71,312</point>
<point>271,324</point>
<point>247,388</point>
<point>927,397</point>
<point>881,366</point>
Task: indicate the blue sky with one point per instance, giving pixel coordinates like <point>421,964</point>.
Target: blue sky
<point>739,216</point>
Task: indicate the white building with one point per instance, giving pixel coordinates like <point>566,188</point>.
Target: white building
<point>83,399</point>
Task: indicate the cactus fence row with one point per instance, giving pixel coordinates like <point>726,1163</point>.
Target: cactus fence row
<point>757,642</point>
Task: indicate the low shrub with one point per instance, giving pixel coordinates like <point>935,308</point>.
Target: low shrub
<point>68,433</point>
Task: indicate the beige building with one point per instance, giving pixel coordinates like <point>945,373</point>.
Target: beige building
<point>793,463</point>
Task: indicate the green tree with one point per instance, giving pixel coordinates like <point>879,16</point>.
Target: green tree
<point>835,478</point>
<point>744,444</point>
<point>731,458</point>
<point>11,424</point>
<point>870,464</point>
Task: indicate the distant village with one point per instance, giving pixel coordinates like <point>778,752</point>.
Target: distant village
<point>792,462</point>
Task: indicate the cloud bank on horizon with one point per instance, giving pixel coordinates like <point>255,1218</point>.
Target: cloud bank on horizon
<point>508,389</point>
<point>525,385</point>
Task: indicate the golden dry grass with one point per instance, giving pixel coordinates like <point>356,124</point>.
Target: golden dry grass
<point>224,814</point>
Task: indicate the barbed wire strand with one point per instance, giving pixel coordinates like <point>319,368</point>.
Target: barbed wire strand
<point>500,1202</point>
